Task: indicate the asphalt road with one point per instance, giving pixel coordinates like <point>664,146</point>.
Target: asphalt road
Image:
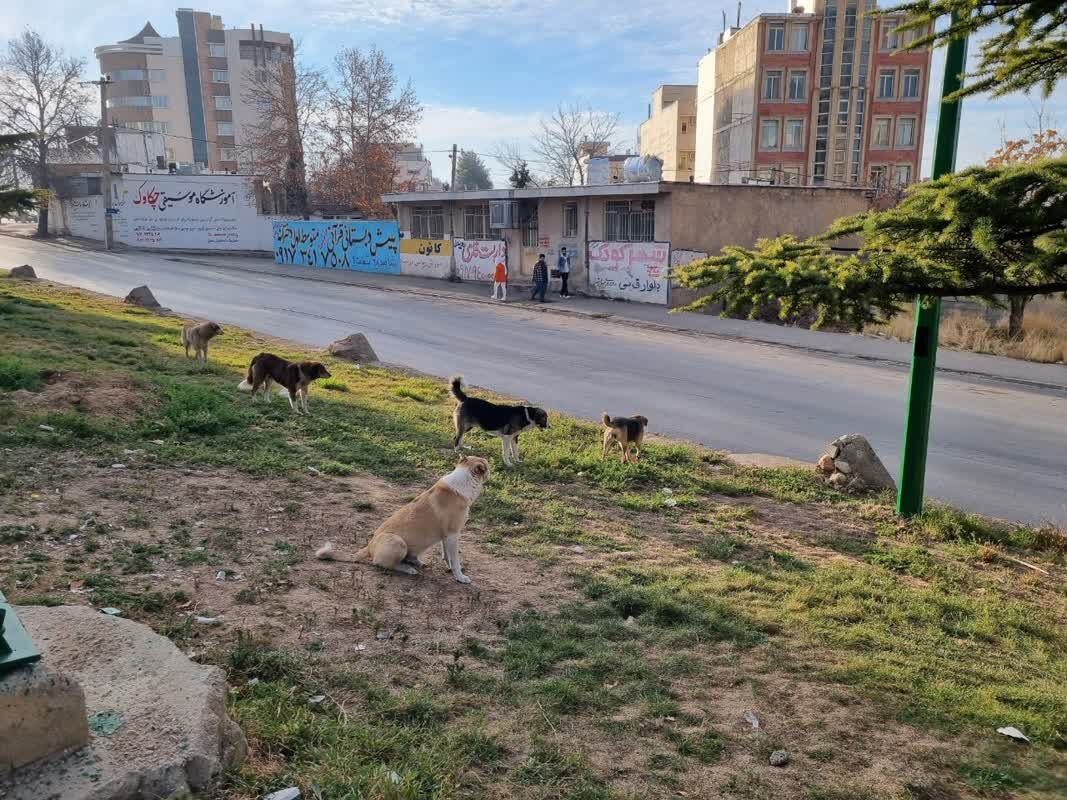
<point>996,448</point>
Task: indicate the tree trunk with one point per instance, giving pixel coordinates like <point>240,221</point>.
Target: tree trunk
<point>42,222</point>
<point>1015,318</point>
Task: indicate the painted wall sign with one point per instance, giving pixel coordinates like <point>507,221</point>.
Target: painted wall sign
<point>476,259</point>
<point>85,216</point>
<point>426,258</point>
<point>630,270</point>
<point>679,258</point>
<point>361,245</point>
<point>195,212</point>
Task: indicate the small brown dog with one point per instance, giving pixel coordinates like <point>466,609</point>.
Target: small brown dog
<point>197,337</point>
<point>267,368</point>
<point>435,516</point>
<point>626,432</point>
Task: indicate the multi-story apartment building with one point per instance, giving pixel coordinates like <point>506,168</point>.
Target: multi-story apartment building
<point>815,96</point>
<point>191,88</point>
<point>414,172</point>
<point>669,133</point>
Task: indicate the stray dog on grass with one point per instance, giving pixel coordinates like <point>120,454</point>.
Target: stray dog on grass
<point>435,516</point>
<point>267,368</point>
<point>626,432</point>
<point>197,337</point>
<point>507,422</point>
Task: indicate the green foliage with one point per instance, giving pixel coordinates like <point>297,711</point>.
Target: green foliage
<point>17,373</point>
<point>13,200</point>
<point>1027,50</point>
<point>520,176</point>
<point>471,172</point>
<point>979,233</point>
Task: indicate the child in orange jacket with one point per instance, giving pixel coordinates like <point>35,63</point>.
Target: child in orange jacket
<point>500,280</point>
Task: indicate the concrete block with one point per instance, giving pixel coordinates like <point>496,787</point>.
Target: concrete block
<point>42,713</point>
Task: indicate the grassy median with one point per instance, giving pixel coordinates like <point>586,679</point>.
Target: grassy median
<point>625,625</point>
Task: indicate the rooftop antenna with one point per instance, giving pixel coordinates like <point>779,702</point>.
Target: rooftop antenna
<point>739,13</point>
<point>724,20</point>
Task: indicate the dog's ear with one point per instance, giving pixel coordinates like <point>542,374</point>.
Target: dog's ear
<point>479,468</point>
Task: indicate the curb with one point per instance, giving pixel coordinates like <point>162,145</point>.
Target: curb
<point>322,276</point>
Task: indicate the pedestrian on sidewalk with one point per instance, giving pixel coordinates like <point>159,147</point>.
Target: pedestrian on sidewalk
<point>500,281</point>
<point>540,279</point>
<point>563,267</point>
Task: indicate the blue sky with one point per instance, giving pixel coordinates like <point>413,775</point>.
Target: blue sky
<point>488,70</point>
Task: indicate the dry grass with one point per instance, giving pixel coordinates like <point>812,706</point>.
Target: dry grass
<point>1044,336</point>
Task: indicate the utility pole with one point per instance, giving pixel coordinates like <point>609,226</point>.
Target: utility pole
<point>105,157</point>
<point>928,309</point>
<point>452,185</point>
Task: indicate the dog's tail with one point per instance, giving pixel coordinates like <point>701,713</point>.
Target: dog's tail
<point>457,388</point>
<point>246,384</point>
<point>607,419</point>
<point>328,553</point>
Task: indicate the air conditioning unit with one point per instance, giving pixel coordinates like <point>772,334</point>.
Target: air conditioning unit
<point>503,214</point>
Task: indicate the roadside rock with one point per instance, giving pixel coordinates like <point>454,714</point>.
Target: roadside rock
<point>354,348</point>
<point>25,272</point>
<point>158,721</point>
<point>142,296</point>
<point>779,758</point>
<point>855,465</point>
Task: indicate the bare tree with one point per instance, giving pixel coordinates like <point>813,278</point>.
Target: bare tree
<point>570,133</point>
<point>40,94</point>
<point>369,117</point>
<point>287,96</point>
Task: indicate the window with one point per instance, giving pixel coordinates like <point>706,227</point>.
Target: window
<point>630,221</point>
<point>791,176</point>
<point>428,222</point>
<point>772,84</point>
<point>227,154</point>
<point>216,50</point>
<point>910,84</point>
<point>768,134</point>
<point>912,35</point>
<point>685,127</point>
<point>798,85</point>
<point>529,229</point>
<point>890,38</point>
<point>150,125</point>
<point>887,83</point>
<point>223,102</point>
<point>878,176</point>
<point>570,220</point>
<point>798,38</point>
<point>476,222</point>
<point>794,135</point>
<point>157,75</point>
<point>881,131</point>
<point>138,101</point>
<point>906,132</point>
<point>225,129</point>
<point>776,37</point>
<point>220,76</point>
<point>902,174</point>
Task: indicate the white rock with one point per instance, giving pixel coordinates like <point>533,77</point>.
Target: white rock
<point>292,793</point>
<point>112,612</point>
<point>752,719</point>
<point>207,620</point>
<point>843,466</point>
<point>46,428</point>
<point>316,699</point>
<point>630,622</point>
<point>670,502</point>
<point>1014,733</point>
<point>838,480</point>
<point>220,575</point>
<point>118,466</point>
<point>252,682</point>
<point>578,549</point>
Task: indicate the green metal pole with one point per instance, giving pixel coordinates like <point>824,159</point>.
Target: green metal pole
<point>928,309</point>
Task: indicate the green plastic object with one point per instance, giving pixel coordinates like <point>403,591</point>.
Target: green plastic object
<point>16,647</point>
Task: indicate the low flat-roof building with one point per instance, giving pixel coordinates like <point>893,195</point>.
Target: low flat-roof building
<point>623,238</point>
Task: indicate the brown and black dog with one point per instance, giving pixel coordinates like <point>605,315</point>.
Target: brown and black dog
<point>267,368</point>
<point>626,432</point>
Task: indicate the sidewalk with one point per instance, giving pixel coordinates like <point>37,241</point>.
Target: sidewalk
<point>649,317</point>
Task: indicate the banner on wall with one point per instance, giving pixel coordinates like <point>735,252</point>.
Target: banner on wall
<point>361,245</point>
<point>188,212</point>
<point>635,271</point>
<point>476,259</point>
<point>426,258</point>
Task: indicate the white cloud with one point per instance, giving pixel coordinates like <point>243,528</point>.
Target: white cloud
<point>474,129</point>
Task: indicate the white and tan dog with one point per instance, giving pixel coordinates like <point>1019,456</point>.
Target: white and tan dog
<point>438,515</point>
<point>198,336</point>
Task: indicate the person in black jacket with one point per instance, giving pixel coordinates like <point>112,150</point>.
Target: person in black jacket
<point>540,279</point>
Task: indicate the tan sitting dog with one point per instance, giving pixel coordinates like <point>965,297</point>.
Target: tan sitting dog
<point>197,337</point>
<point>438,515</point>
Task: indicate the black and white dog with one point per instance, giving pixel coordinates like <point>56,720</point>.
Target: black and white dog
<point>507,422</point>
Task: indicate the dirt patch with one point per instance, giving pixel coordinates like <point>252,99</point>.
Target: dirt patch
<point>112,396</point>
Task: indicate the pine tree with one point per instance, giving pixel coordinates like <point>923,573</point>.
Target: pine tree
<point>12,199</point>
<point>1027,49</point>
<point>471,172</point>
<point>983,233</point>
<point>520,176</point>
